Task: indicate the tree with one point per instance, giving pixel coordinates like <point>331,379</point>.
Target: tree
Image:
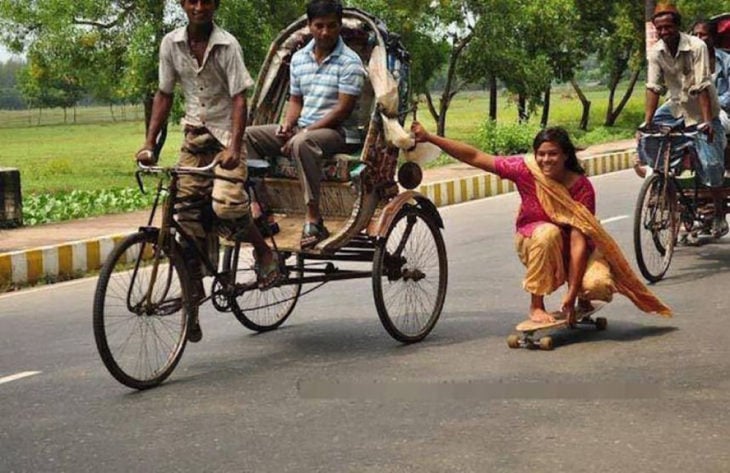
<point>113,44</point>
<point>413,22</point>
<point>10,97</point>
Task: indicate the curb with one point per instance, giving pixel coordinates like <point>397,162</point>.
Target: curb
<point>77,259</point>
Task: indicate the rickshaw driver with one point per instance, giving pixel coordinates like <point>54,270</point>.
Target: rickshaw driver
<point>208,63</point>
<point>692,95</point>
<point>326,79</point>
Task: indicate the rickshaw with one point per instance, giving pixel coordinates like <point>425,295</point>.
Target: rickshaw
<point>381,229</point>
<point>673,208</point>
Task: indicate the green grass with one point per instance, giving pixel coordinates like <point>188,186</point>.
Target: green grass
<point>469,111</point>
<point>59,158</point>
<point>97,158</point>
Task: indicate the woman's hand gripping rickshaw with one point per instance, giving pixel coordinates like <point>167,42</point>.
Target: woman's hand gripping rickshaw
<point>143,304</point>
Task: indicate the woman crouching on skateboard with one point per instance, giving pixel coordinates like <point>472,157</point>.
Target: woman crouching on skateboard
<point>558,237</point>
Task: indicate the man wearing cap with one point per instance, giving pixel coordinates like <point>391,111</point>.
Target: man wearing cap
<point>679,65</point>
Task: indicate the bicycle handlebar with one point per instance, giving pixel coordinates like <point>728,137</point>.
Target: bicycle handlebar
<point>178,169</point>
<point>662,132</point>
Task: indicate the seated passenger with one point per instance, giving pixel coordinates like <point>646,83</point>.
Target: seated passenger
<point>720,68</point>
<point>326,78</point>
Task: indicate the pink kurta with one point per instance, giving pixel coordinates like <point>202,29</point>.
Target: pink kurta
<point>531,213</point>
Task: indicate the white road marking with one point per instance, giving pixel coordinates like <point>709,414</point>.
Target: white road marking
<point>614,219</point>
<point>18,376</point>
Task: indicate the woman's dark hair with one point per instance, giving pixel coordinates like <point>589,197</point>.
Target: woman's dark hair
<point>711,27</point>
<point>561,138</point>
<point>320,8</point>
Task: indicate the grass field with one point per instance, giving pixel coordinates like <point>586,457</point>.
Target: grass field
<point>58,158</point>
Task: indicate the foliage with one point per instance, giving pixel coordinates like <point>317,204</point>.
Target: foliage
<point>45,208</point>
<point>10,98</point>
<point>505,139</point>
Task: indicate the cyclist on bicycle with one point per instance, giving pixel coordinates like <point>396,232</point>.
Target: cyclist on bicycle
<point>679,63</point>
<point>207,62</point>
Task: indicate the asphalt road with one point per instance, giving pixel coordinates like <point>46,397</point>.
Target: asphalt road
<point>330,391</point>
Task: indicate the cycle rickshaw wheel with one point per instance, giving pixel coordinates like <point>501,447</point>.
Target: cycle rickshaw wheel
<point>141,339</point>
<point>410,275</point>
<point>258,310</point>
<point>656,223</point>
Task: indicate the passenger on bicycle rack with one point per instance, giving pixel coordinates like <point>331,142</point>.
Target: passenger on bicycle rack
<point>326,79</point>
<point>207,62</point>
<point>706,30</point>
<point>679,64</point>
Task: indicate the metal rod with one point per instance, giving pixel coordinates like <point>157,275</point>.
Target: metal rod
<point>337,276</point>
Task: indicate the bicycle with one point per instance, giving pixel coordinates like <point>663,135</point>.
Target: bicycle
<point>143,301</point>
<point>671,200</point>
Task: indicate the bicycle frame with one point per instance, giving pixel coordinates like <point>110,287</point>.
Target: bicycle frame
<point>170,227</point>
<point>687,203</point>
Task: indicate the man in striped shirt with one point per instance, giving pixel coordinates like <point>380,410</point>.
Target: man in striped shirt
<point>326,78</point>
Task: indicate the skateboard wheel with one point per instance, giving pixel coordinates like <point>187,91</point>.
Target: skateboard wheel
<point>546,343</point>
<point>513,341</point>
<point>601,323</point>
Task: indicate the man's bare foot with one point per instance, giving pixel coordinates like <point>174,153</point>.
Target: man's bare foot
<point>541,316</point>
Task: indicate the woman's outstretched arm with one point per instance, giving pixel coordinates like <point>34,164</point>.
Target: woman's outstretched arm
<point>461,151</point>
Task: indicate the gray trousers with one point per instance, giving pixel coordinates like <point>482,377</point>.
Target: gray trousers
<point>308,150</point>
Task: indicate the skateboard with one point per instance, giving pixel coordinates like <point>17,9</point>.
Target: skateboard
<point>528,328</point>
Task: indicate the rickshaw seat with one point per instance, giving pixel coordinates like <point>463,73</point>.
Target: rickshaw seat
<point>338,168</point>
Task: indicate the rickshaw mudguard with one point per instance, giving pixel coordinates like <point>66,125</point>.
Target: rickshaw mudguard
<point>387,216</point>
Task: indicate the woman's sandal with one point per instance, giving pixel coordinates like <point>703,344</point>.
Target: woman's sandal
<point>313,233</point>
<point>268,275</point>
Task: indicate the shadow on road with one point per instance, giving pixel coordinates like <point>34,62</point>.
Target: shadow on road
<point>696,263</point>
<point>616,332</point>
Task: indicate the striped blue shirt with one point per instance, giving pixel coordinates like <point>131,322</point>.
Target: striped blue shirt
<point>319,85</point>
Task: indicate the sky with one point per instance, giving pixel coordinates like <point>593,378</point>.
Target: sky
<point>4,54</point>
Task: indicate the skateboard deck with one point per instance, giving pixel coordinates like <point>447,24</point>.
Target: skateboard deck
<point>528,328</point>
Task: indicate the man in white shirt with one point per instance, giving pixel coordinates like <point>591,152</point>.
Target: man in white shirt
<point>679,65</point>
<point>207,62</point>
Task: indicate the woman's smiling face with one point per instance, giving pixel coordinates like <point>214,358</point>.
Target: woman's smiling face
<point>551,159</point>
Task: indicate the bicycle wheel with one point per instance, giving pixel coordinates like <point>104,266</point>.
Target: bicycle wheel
<point>141,339</point>
<point>656,223</point>
<point>410,275</point>
<point>258,310</point>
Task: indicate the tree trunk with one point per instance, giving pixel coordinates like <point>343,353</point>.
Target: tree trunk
<point>585,102</point>
<point>522,113</point>
<point>147,101</point>
<point>493,98</point>
<point>612,115</point>
<point>546,109</point>
<point>450,87</point>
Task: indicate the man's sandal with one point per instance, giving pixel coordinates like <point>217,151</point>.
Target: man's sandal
<point>313,233</point>
<point>268,275</point>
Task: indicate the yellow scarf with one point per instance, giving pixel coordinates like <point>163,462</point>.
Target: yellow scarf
<point>562,209</point>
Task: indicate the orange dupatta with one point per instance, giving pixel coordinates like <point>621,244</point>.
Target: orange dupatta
<point>561,208</point>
